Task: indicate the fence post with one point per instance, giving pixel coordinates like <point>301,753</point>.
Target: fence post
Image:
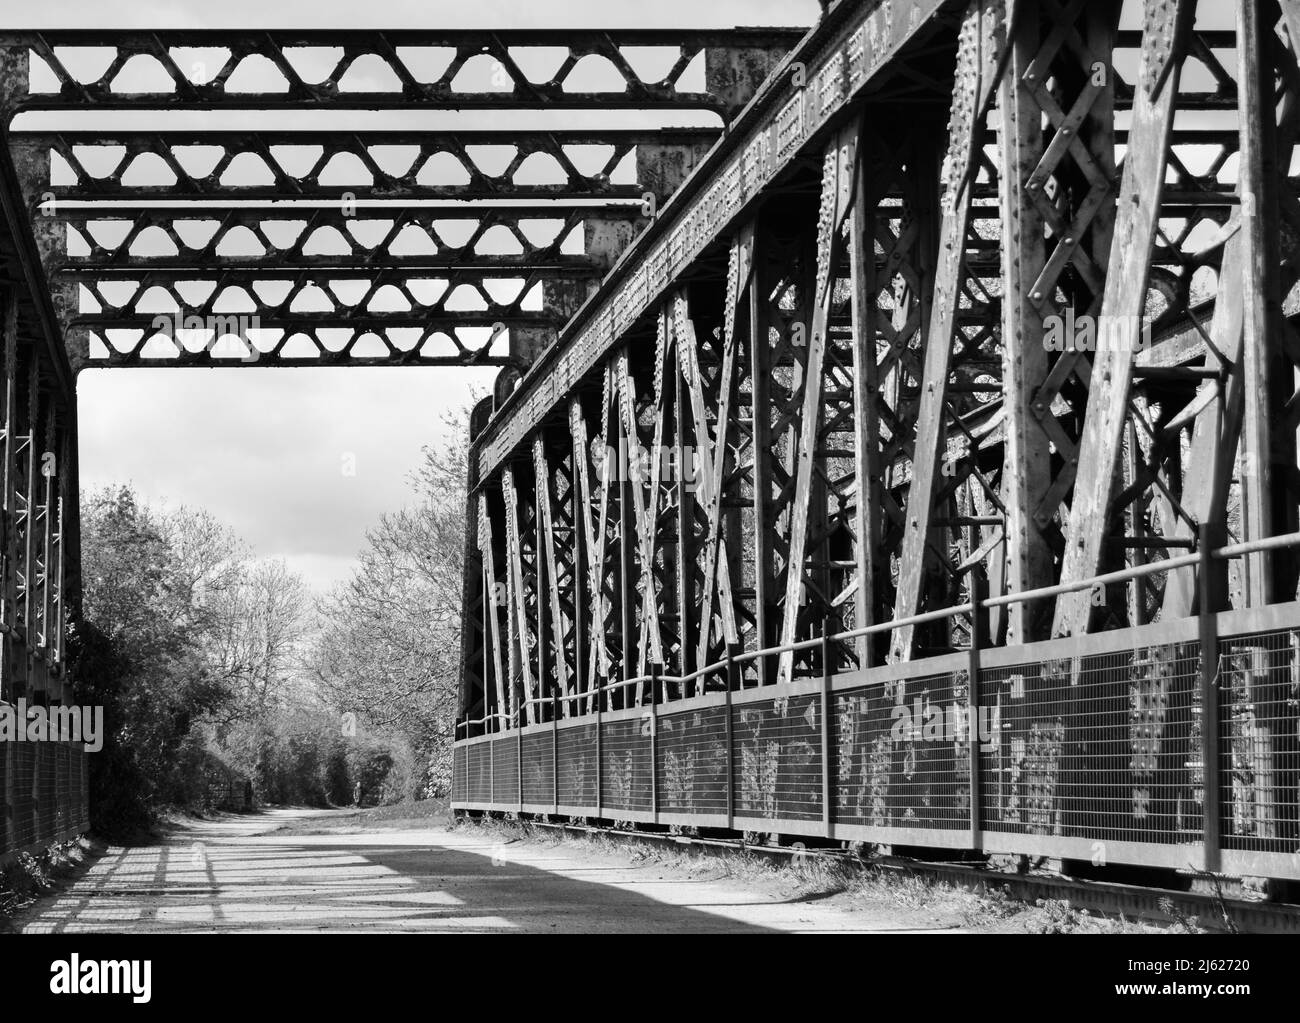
<point>600,701</point>
<point>828,824</point>
<point>655,671</point>
<point>732,678</point>
<point>1210,596</point>
<point>978,639</point>
<point>10,823</point>
<point>519,764</point>
<point>555,754</point>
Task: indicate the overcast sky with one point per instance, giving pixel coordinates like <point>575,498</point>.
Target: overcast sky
<point>263,449</point>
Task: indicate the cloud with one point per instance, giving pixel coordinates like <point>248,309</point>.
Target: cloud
<point>264,450</point>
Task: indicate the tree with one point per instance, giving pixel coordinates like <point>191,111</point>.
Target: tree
<point>389,642</point>
<point>136,652</point>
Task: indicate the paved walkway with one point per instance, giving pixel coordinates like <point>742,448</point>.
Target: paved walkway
<point>241,875</point>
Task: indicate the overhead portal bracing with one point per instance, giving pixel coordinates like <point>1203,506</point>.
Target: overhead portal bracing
<point>977,298</point>
<point>243,235</point>
<point>286,198</point>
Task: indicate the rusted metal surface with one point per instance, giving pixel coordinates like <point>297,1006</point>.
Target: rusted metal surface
<point>405,236</point>
<point>400,69</point>
<point>347,167</point>
<point>923,397</point>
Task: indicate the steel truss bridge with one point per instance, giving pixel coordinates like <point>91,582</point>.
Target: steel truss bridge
<point>228,232</point>
<point>904,452</point>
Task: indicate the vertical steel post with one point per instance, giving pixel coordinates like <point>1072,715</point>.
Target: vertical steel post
<point>732,682</point>
<point>1209,596</point>
<point>600,700</point>
<point>555,753</point>
<point>978,639</point>
<point>828,825</point>
<point>627,576</point>
<point>519,765</point>
<point>656,670</point>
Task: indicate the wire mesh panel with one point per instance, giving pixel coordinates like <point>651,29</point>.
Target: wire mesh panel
<point>625,764</point>
<point>539,769</point>
<point>478,772</point>
<point>902,754</point>
<point>46,790</point>
<point>1259,685</point>
<point>25,828</point>
<point>459,780</point>
<point>1102,746</point>
<point>62,789</point>
<point>777,758</point>
<point>84,783</point>
<point>76,790</point>
<point>505,770</point>
<point>577,755</point>
<point>1100,743</point>
<point>6,827</point>
<point>48,785</point>
<point>692,761</point>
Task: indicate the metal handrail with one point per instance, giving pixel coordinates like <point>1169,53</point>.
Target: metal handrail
<point>1230,551</point>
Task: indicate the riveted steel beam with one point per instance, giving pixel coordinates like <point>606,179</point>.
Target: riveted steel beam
<point>347,167</point>
<point>398,237</point>
<point>396,69</point>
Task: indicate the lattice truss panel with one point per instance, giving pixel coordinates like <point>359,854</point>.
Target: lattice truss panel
<point>1035,330</point>
<point>455,244</point>
<point>37,498</point>
<point>711,70</point>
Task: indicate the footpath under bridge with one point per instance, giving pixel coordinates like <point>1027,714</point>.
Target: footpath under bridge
<point>925,473</point>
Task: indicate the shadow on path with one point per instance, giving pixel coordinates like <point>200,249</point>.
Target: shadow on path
<point>222,876</point>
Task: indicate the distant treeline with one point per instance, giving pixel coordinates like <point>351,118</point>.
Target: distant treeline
<point>212,663</point>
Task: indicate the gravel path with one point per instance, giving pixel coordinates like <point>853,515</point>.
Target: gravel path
<point>242,874</point>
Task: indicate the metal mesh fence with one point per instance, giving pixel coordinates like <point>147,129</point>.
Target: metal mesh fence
<point>777,758</point>
<point>25,831</point>
<point>1103,746</point>
<point>45,790</point>
<point>62,805</point>
<point>577,756</point>
<point>625,764</point>
<point>459,774</point>
<point>902,754</point>
<point>505,770</point>
<point>1259,745</point>
<point>478,771</point>
<point>539,769</point>
<point>692,767</point>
